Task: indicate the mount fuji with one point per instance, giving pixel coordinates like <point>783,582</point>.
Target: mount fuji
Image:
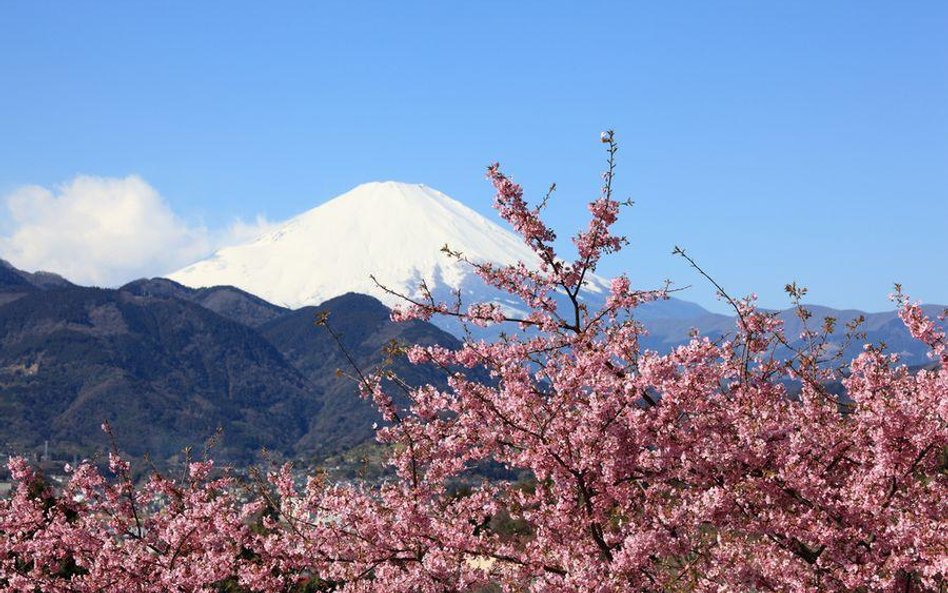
<point>391,230</point>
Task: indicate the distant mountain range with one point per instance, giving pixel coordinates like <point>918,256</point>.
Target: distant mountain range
<point>167,365</point>
<point>879,328</point>
<point>395,231</point>
<point>230,342</point>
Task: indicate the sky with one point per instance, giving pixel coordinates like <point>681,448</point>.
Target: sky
<point>775,142</point>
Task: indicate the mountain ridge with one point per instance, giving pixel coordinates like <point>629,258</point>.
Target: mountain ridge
<point>390,230</point>
<point>228,301</point>
<point>177,362</point>
<point>167,365</point>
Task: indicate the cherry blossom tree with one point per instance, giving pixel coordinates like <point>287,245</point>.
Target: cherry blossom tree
<point>702,469</point>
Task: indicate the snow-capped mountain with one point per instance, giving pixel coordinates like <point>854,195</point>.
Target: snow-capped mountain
<point>394,231</point>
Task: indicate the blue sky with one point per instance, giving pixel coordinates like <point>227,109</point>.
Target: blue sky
<point>801,141</point>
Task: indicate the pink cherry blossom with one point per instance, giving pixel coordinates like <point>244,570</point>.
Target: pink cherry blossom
<point>701,469</point>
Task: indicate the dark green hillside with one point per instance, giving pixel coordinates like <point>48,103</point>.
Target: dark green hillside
<point>165,372</point>
<point>363,322</point>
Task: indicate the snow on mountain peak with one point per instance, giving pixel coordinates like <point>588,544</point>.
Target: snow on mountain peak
<point>392,230</point>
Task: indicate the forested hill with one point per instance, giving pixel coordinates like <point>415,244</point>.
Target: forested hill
<point>166,371</point>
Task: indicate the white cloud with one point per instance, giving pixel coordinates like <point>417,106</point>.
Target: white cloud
<point>105,231</point>
<point>241,232</point>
